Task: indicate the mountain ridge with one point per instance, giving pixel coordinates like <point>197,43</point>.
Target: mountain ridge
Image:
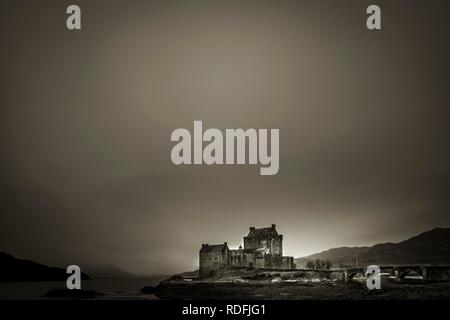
<point>429,247</point>
<point>13,269</point>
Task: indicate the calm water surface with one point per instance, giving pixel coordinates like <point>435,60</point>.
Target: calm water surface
<point>122,288</point>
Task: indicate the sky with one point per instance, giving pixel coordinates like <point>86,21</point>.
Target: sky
<point>86,118</point>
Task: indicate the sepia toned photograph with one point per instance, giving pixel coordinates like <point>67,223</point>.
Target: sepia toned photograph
<point>224,151</point>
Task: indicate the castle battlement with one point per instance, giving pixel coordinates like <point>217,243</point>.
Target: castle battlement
<point>263,248</point>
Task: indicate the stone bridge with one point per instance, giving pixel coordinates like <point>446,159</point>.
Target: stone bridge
<point>428,273</point>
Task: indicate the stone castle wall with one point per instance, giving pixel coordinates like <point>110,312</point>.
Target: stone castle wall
<point>262,249</point>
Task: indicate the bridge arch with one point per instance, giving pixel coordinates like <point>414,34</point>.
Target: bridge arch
<point>411,272</point>
<point>354,274</point>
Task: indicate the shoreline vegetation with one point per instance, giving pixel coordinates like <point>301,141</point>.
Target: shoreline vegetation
<point>297,285</point>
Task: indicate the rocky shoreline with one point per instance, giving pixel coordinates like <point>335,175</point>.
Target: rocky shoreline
<point>294,286</point>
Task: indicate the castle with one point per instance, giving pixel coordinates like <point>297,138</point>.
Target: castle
<point>262,249</point>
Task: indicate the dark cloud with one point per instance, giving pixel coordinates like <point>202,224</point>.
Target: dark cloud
<point>86,119</point>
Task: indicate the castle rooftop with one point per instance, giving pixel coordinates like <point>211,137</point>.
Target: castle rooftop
<point>262,233</point>
<point>213,247</point>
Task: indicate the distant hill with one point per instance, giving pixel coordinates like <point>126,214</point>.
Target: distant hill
<point>107,271</point>
<point>15,270</point>
<point>431,247</point>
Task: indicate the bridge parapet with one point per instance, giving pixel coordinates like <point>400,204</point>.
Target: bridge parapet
<point>437,273</point>
<point>428,273</point>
